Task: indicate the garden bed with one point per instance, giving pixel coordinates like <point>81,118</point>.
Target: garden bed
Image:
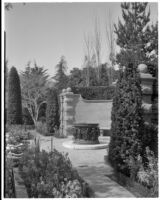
<point>51,175</point>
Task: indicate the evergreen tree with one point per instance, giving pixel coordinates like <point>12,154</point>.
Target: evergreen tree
<point>14,112</point>
<point>127,120</point>
<point>52,111</point>
<point>131,34</point>
<point>60,77</point>
<point>76,78</point>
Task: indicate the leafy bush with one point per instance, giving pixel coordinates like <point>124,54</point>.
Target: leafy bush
<point>18,133</point>
<point>51,175</point>
<point>150,138</point>
<point>14,111</point>
<point>41,127</point>
<point>95,93</point>
<point>52,111</point>
<point>127,120</point>
<point>148,173</point>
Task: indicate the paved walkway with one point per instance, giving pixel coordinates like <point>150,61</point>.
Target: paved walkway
<point>91,167</point>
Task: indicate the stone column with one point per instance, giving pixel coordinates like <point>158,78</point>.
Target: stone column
<point>147,91</point>
<point>66,115</point>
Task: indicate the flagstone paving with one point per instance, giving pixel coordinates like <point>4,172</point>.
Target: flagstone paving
<point>91,167</point>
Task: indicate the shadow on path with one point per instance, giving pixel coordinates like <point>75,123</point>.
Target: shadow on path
<point>103,186</point>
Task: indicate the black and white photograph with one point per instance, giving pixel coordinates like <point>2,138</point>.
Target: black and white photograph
<point>79,99</point>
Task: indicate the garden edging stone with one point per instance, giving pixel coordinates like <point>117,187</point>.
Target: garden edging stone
<point>20,188</point>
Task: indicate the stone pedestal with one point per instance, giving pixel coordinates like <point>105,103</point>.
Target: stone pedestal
<point>147,91</point>
<point>66,116</point>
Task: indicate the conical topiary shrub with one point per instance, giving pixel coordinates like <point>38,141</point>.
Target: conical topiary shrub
<point>14,112</point>
<point>127,121</point>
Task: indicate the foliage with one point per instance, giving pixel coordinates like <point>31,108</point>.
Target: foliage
<point>77,77</point>
<point>19,133</point>
<point>27,119</point>
<point>60,77</point>
<point>41,127</point>
<point>33,83</point>
<point>145,172</point>
<point>52,111</point>
<point>148,173</point>
<point>16,142</point>
<point>6,77</point>
<point>95,93</point>
<point>23,127</point>
<point>132,34</point>
<point>150,138</point>
<point>127,120</point>
<point>14,111</point>
<point>50,175</point>
<point>105,75</point>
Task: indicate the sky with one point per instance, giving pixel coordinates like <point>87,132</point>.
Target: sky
<point>43,32</point>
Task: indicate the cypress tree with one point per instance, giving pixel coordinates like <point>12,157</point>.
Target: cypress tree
<point>127,120</point>
<point>132,34</point>
<point>52,111</point>
<point>14,112</point>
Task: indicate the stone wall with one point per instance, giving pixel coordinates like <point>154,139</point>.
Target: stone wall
<point>75,109</point>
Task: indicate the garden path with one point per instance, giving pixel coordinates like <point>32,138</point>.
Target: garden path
<point>91,167</point>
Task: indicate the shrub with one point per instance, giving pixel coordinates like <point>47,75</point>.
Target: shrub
<point>127,120</point>
<point>51,175</point>
<point>42,128</point>
<point>95,93</point>
<point>27,119</point>
<point>150,138</point>
<point>148,173</point>
<point>52,111</point>
<point>18,133</point>
<point>14,111</point>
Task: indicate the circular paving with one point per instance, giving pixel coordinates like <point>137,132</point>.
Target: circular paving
<point>71,145</point>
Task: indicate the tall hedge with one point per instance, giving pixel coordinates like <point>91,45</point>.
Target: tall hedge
<point>95,92</point>
<point>127,121</point>
<point>52,111</point>
<point>14,111</point>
